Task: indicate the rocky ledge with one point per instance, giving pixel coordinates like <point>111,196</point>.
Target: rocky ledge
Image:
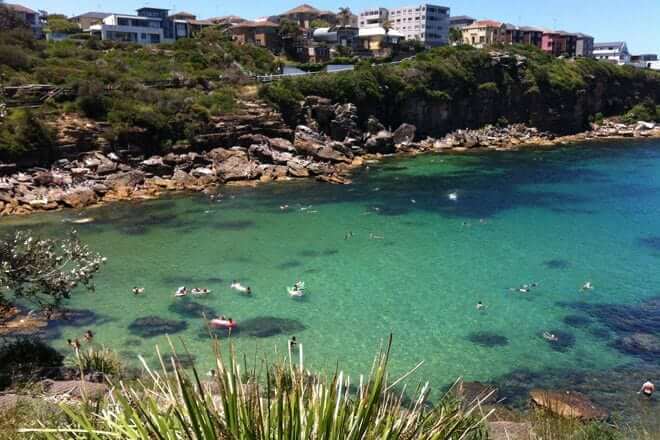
<point>327,147</point>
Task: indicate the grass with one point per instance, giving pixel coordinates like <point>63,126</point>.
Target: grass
<point>292,404</point>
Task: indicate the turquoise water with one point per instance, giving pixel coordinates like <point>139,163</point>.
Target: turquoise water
<point>416,265</point>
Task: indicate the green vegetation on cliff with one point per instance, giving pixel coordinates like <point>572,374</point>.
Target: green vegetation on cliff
<point>456,87</point>
<point>160,95</point>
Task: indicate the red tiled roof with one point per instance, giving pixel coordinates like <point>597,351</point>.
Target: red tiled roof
<point>19,8</point>
<point>485,23</point>
<point>303,9</point>
<point>255,24</point>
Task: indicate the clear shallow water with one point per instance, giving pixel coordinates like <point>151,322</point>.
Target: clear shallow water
<point>558,217</point>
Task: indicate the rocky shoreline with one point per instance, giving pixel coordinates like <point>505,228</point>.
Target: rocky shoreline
<point>257,148</point>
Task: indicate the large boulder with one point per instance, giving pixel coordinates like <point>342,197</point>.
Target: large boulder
<point>282,144</point>
<point>77,389</point>
<point>404,135</point>
<point>345,122</point>
<point>374,126</point>
<point>236,167</point>
<point>156,165</point>
<point>568,404</point>
<point>326,152</point>
<point>382,142</point>
<point>79,197</point>
<point>298,167</point>
<point>129,179</point>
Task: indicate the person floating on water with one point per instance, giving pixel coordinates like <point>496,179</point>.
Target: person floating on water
<point>88,336</point>
<point>138,290</point>
<point>550,337</point>
<point>587,286</point>
<point>647,389</point>
<point>299,285</point>
<point>481,306</point>
<point>348,235</point>
<point>181,291</point>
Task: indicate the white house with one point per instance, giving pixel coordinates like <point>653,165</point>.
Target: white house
<point>615,52</point>
<point>150,26</point>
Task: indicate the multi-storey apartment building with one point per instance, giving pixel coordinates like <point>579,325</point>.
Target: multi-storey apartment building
<point>584,46</point>
<point>428,24</point>
<point>373,18</point>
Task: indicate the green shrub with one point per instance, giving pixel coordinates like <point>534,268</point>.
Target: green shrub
<point>23,133</point>
<point>100,360</point>
<point>91,100</point>
<point>295,405</point>
<point>14,57</point>
<point>20,358</point>
<point>646,111</point>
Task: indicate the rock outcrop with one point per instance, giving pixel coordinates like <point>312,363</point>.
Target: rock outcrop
<point>568,404</point>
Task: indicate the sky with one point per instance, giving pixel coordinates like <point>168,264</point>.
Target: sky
<point>635,21</point>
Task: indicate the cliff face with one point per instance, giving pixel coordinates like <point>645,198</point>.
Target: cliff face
<point>455,88</point>
<point>561,112</point>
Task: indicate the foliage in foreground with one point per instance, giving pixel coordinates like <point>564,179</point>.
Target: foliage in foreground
<point>44,271</point>
<point>294,404</point>
<point>100,360</point>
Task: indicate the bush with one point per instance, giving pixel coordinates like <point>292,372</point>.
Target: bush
<point>646,111</point>
<point>20,358</point>
<point>91,100</point>
<point>23,133</point>
<point>99,360</point>
<point>14,57</point>
<point>296,405</point>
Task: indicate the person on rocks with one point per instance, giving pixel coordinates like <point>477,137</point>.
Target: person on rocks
<point>647,389</point>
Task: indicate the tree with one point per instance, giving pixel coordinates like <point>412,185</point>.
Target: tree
<point>455,36</point>
<point>344,17</point>
<point>60,24</point>
<point>289,31</point>
<point>318,23</point>
<point>44,271</point>
<point>9,19</point>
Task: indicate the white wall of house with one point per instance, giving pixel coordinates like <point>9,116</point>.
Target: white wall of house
<point>428,24</point>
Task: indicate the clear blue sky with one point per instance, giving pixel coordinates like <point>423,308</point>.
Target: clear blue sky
<point>635,21</point>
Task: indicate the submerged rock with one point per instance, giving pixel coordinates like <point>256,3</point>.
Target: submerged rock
<point>488,339</point>
<point>150,326</point>
<point>568,404</point>
<point>192,309</point>
<point>644,345</point>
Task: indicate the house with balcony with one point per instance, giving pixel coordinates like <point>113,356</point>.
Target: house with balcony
<point>526,35</point>
<point>645,61</point>
<point>27,15</point>
<point>460,21</point>
<point>373,17</point>
<point>259,33</point>
<point>559,43</point>
<point>614,52</point>
<point>483,33</point>
<point>149,26</point>
<point>89,18</point>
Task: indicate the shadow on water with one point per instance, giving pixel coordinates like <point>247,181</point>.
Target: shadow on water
<point>488,339</point>
<point>289,264</point>
<point>624,318</point>
<point>557,264</point>
<point>650,242</point>
<point>259,327</point>
<point>191,309</point>
<point>150,326</point>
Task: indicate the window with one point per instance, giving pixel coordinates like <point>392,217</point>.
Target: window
<point>143,36</point>
<point>154,38</point>
<point>123,22</point>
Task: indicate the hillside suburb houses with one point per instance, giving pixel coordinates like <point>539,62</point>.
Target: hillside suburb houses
<point>307,34</point>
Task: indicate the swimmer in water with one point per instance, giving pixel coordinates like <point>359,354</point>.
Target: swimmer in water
<point>481,306</point>
<point>550,337</point>
<point>587,286</point>
<point>292,343</point>
<point>88,336</point>
<point>647,389</point>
